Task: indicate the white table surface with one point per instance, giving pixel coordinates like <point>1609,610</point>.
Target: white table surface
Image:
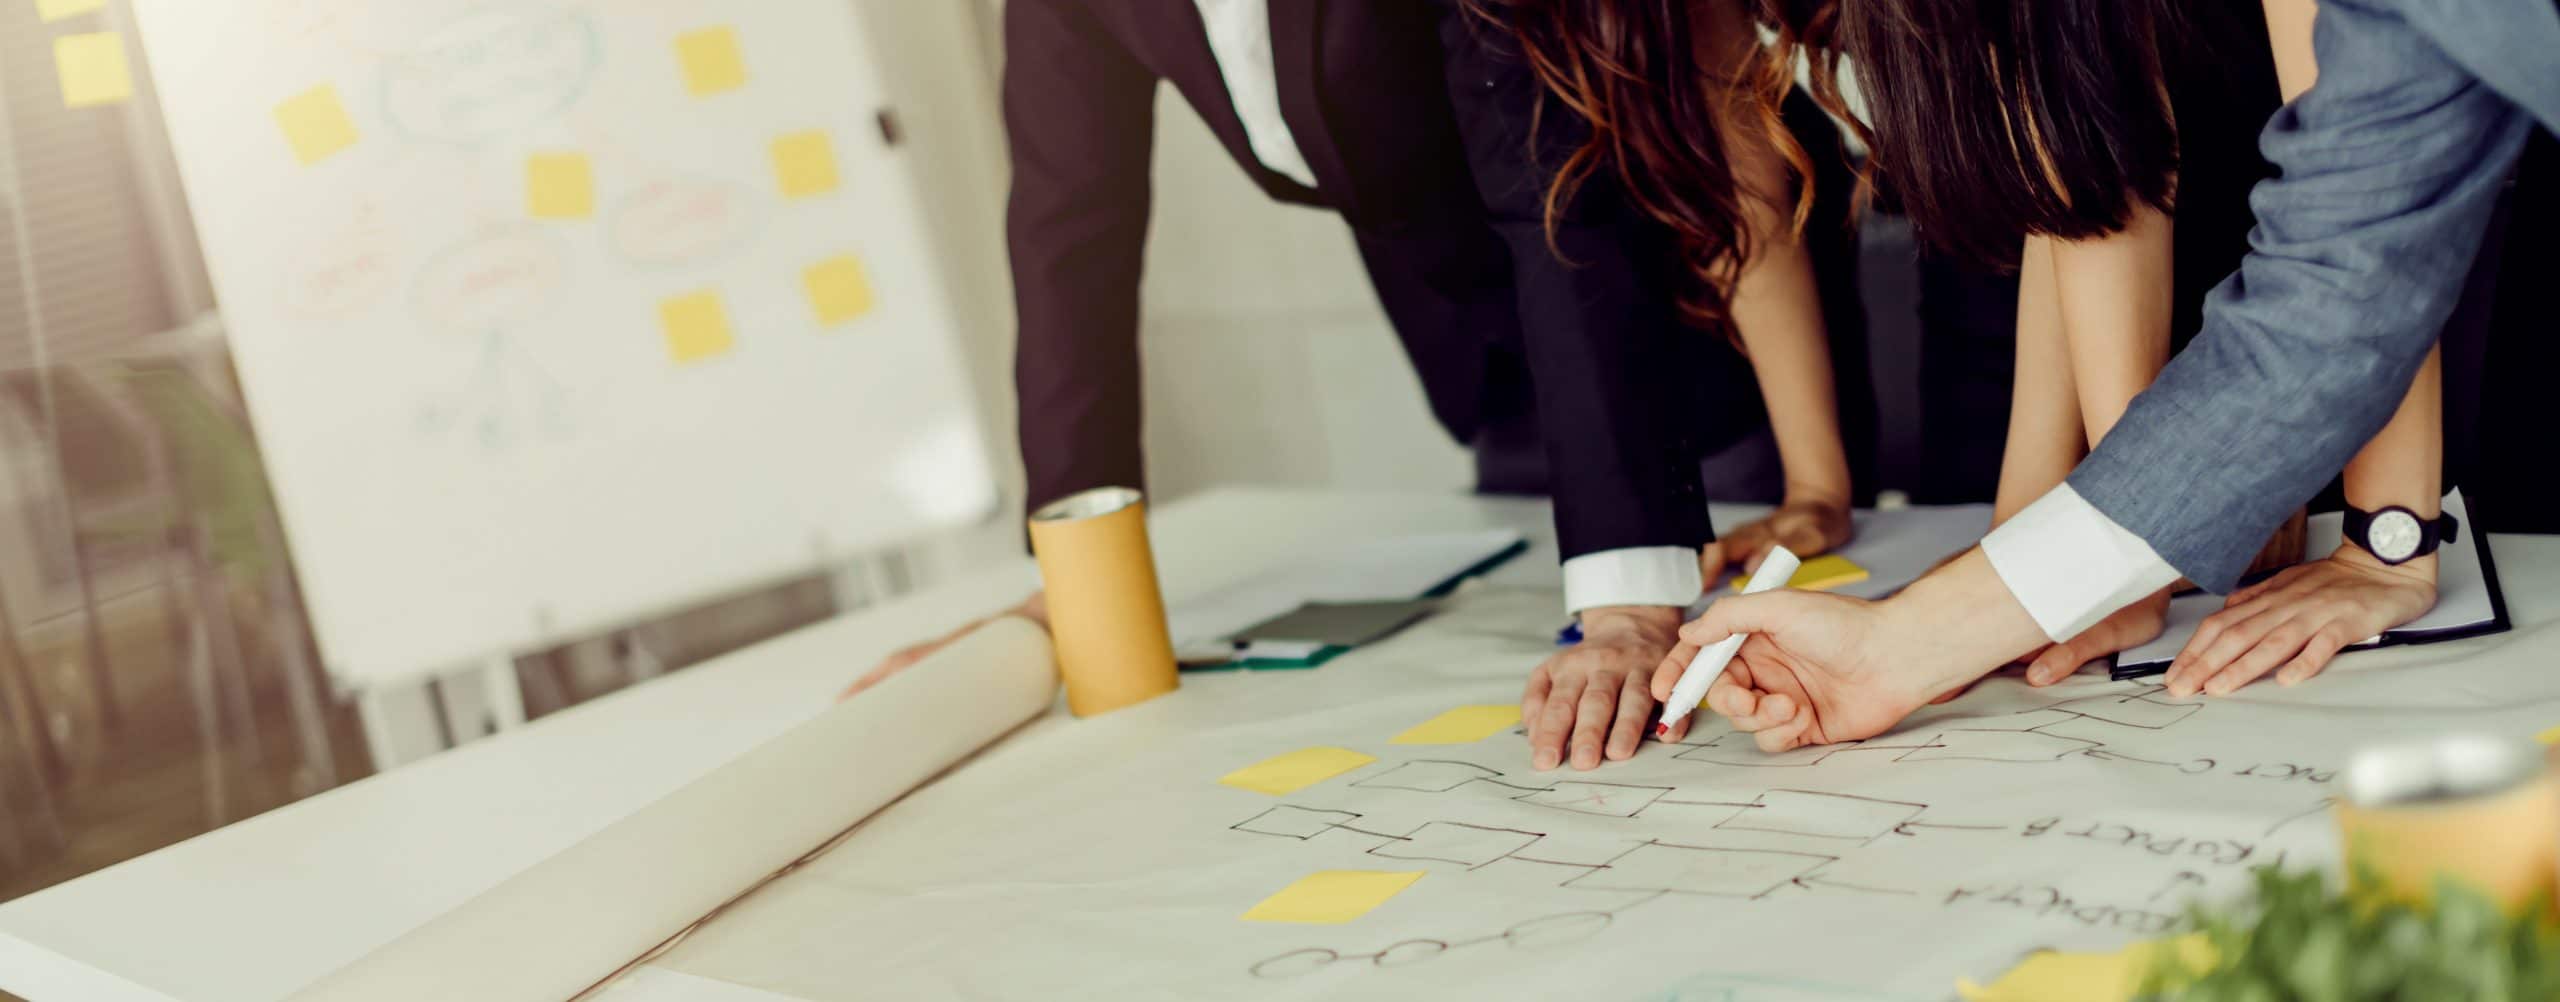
<point>259,909</point>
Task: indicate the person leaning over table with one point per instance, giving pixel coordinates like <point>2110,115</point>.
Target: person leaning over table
<point>1408,120</point>
<point>2390,168</point>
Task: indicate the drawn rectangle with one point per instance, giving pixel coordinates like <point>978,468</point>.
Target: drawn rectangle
<point>1736,749</point>
<point>2136,710</point>
<point>1464,844</point>
<point>1688,869</point>
<point>1997,746</point>
<point>1294,822</point>
<point>1823,815</point>
<point>1429,776</point>
<point>1610,799</point>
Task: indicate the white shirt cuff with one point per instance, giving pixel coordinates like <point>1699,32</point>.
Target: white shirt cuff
<point>1638,575</point>
<point>2070,565</point>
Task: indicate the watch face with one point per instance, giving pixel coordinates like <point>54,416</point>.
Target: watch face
<point>2393,535</point>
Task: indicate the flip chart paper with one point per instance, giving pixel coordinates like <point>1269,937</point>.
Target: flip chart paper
<point>92,69</point>
<point>1332,897</point>
<point>838,289</point>
<point>711,61</point>
<point>550,932</point>
<point>697,327</point>
<point>1296,770</point>
<point>1464,725</point>
<point>804,164</point>
<point>315,124</point>
<point>560,186</point>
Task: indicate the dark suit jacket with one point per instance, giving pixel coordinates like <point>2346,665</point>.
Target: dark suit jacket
<point>1417,132</point>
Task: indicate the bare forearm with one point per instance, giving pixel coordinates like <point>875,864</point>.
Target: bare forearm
<point>2114,296</point>
<point>2044,408</point>
<point>2404,463</point>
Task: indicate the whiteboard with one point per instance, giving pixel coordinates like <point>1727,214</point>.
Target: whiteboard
<point>551,316</point>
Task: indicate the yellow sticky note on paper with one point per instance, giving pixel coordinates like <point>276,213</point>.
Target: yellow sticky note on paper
<point>697,327</point>
<point>55,10</point>
<point>838,289</point>
<point>1821,573</point>
<point>711,60</point>
<point>2549,737</point>
<point>1464,725</point>
<point>315,124</point>
<point>92,69</point>
<point>559,186</point>
<point>1295,771</point>
<point>804,164</point>
<point>2089,977</point>
<point>1332,897</point>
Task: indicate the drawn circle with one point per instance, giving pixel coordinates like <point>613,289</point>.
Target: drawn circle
<point>1556,930</point>
<point>1409,951</point>
<point>497,279</point>
<point>681,220</point>
<point>1296,963</point>
<point>492,73</point>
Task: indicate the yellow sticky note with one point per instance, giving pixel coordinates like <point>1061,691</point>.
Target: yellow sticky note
<point>1821,573</point>
<point>559,186</point>
<point>1295,771</point>
<point>2549,737</point>
<point>2088,977</point>
<point>55,10</point>
<point>1464,725</point>
<point>804,164</point>
<point>711,61</point>
<point>697,326</point>
<point>1332,897</point>
<point>315,123</point>
<point>838,290</point>
<point>92,69</point>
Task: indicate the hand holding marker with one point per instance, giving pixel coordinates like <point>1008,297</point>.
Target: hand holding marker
<point>1775,571</point>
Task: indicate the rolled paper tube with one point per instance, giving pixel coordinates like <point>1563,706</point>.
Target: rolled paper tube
<point>2482,811</point>
<point>1106,613</point>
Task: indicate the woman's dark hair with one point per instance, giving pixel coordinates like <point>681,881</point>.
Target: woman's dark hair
<point>1630,70</point>
<point>1998,119</point>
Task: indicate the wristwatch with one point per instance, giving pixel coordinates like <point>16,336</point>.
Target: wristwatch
<point>2396,535</point>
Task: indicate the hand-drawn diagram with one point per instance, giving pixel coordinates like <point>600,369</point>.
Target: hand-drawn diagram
<point>1777,840</point>
<point>492,74</point>
<point>491,289</point>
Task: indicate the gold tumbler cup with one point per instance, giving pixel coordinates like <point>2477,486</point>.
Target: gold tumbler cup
<point>2480,810</point>
<point>1106,613</point>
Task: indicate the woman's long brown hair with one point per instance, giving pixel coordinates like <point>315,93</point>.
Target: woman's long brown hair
<point>1630,70</point>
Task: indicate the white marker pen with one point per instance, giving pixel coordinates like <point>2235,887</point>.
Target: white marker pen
<point>1775,571</point>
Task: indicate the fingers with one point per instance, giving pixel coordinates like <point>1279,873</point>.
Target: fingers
<point>2057,662</point>
<point>1533,696</point>
<point>1733,614</point>
<point>891,665</point>
<point>1805,537</point>
<point>2219,641</point>
<point>1591,723</point>
<point>2277,643</point>
<point>1553,722</point>
<point>1732,697</point>
<point>1667,674</point>
<point>1711,558</point>
<point>1788,724</point>
<point>2323,645</point>
<point>1634,705</point>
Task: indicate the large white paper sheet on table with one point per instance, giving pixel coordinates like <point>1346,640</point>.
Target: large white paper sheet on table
<point>2465,592</point>
<point>1105,860</point>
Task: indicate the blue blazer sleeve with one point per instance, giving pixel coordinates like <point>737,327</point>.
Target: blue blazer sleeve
<point>2390,168</point>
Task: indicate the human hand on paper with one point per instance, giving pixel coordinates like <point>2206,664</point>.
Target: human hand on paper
<point>1820,668</point>
<point>1590,698</point>
<point>1035,609</point>
<point>2300,619</point>
<point>1806,526</point>
<point>2130,627</point>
